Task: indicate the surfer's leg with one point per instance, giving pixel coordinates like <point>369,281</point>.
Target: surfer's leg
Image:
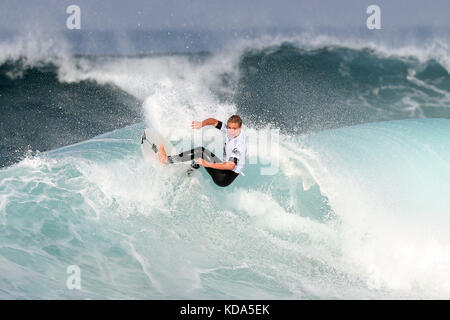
<point>207,155</point>
<point>162,156</point>
<point>199,152</point>
<point>221,178</point>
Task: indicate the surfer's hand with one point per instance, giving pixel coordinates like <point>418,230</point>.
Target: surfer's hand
<point>201,162</point>
<point>196,124</point>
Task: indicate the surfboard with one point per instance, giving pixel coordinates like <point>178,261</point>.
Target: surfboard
<point>150,142</point>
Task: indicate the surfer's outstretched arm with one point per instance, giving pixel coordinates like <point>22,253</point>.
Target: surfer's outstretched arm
<point>206,122</point>
<point>162,156</point>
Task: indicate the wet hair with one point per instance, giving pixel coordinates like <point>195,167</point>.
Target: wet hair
<point>235,119</point>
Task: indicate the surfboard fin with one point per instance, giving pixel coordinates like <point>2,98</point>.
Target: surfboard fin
<point>195,165</point>
<point>154,147</point>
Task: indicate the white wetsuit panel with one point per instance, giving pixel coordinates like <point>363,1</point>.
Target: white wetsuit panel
<point>234,148</point>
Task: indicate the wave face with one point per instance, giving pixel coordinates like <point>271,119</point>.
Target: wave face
<point>303,90</point>
<point>355,208</point>
<point>356,212</point>
<point>41,113</point>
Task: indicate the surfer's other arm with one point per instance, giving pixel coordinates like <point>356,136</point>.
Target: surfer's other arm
<point>206,122</point>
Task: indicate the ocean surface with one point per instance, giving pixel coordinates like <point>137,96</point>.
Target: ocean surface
<point>348,201</point>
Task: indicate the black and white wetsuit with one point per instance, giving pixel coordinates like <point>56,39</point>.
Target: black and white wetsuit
<point>233,150</point>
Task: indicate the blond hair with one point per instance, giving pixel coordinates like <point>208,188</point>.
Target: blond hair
<point>235,119</point>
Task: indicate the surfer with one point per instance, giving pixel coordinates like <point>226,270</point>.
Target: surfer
<point>224,172</point>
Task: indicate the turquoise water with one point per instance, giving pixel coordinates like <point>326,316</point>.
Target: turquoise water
<point>358,212</point>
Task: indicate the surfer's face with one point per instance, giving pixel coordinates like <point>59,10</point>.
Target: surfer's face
<point>233,129</point>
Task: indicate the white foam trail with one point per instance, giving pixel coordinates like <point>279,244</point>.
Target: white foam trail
<point>174,89</point>
<point>268,213</point>
<point>145,268</point>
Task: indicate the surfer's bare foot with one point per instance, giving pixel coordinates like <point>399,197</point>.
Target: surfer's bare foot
<point>162,154</point>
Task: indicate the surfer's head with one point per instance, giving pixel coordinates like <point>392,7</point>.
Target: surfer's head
<point>234,125</point>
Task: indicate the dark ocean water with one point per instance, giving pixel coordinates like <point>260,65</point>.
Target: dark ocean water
<point>294,89</point>
<point>301,90</point>
<point>41,113</point>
